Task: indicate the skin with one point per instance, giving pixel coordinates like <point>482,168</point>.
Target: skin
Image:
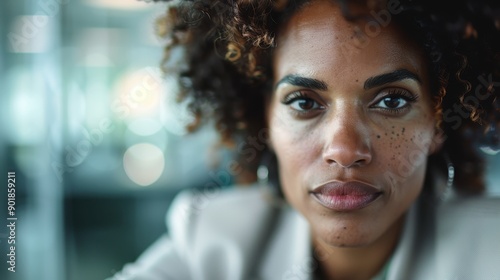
<point>344,131</point>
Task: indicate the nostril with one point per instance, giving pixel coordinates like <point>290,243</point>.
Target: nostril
<point>330,161</point>
<point>361,161</point>
<point>347,146</point>
<point>347,160</point>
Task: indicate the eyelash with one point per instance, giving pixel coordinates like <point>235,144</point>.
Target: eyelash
<point>407,96</point>
<point>300,95</point>
<point>288,99</point>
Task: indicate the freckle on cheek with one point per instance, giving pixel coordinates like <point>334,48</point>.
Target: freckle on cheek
<point>378,136</point>
<point>345,227</point>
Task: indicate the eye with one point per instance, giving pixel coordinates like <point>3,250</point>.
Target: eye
<point>392,102</point>
<point>395,100</point>
<point>300,102</point>
<point>304,104</point>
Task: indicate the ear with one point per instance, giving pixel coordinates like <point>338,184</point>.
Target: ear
<point>437,141</point>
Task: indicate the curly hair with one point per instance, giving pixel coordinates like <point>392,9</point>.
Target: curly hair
<point>226,73</point>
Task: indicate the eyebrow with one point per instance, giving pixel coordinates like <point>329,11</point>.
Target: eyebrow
<point>391,77</point>
<point>300,81</point>
<point>397,75</point>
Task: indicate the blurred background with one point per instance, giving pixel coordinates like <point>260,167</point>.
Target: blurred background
<point>92,132</point>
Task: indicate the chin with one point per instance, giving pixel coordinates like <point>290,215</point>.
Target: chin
<point>344,234</point>
<point>350,240</point>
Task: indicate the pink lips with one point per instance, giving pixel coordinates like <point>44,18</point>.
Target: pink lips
<point>348,196</point>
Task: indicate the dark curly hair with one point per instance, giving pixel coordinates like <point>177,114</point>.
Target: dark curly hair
<point>227,47</point>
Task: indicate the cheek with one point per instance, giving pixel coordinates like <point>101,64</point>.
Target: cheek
<point>294,147</point>
<point>402,154</point>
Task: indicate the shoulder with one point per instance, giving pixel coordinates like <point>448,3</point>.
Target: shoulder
<point>467,232</point>
<point>475,219</point>
<point>455,239</point>
<point>217,208</point>
<point>207,229</point>
<point>211,228</point>
<point>473,209</point>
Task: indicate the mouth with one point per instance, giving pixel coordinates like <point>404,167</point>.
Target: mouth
<point>345,196</point>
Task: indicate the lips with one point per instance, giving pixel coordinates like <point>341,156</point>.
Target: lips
<point>345,196</point>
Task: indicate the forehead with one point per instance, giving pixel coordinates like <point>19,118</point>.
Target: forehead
<point>318,39</point>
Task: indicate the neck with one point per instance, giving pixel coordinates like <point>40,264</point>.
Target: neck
<point>358,263</point>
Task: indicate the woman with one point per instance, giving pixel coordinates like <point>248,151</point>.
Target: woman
<point>362,115</point>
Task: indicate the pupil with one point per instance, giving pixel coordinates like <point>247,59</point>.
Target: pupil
<point>392,102</point>
<point>306,104</point>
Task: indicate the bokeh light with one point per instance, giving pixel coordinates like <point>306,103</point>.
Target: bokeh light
<point>144,163</point>
<point>138,94</point>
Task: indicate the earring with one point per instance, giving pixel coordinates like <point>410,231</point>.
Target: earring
<point>263,175</point>
<point>268,179</point>
<point>451,172</point>
<point>451,177</point>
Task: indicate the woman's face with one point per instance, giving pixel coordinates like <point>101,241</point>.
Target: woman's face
<point>352,123</point>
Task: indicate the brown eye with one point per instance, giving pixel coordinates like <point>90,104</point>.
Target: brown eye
<point>393,102</point>
<point>300,102</point>
<point>304,104</point>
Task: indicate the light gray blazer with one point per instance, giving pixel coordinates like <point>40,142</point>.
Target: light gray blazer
<point>237,234</point>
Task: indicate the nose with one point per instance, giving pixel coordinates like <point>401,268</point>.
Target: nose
<point>347,140</point>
